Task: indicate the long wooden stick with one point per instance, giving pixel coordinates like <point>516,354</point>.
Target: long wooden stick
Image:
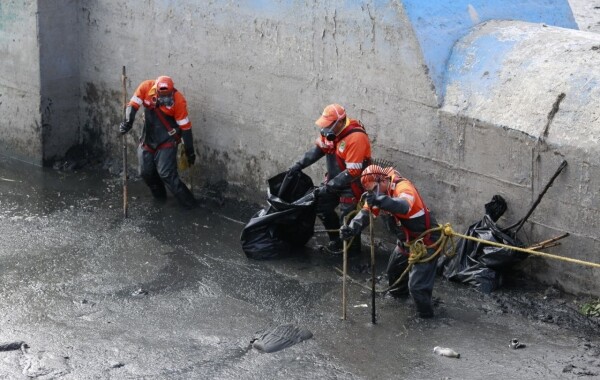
<point>344,277</point>
<point>545,243</point>
<point>124,141</point>
<point>562,165</point>
<point>373,314</point>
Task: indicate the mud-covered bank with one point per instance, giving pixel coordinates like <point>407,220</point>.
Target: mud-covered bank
<point>169,294</point>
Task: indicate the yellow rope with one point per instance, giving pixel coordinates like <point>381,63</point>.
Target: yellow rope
<point>448,231</point>
<point>418,250</point>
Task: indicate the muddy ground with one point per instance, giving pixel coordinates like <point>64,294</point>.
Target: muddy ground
<point>169,294</point>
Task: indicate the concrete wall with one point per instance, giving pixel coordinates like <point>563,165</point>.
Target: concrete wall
<point>21,121</point>
<point>59,51</point>
<point>529,98</point>
<point>257,74</point>
<point>39,80</point>
<point>587,14</point>
<point>439,24</point>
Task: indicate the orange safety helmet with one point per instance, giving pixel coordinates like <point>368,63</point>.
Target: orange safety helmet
<point>332,113</point>
<point>373,175</point>
<point>164,85</point>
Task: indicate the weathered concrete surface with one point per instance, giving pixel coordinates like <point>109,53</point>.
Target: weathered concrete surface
<point>168,294</point>
<point>257,75</point>
<point>21,124</point>
<point>39,81</point>
<point>587,14</point>
<point>438,25</point>
<point>531,95</point>
<point>59,51</point>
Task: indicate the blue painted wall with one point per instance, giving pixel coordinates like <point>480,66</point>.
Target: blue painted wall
<point>490,52</point>
<point>439,24</point>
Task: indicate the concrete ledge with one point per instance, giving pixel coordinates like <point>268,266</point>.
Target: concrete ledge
<point>532,94</point>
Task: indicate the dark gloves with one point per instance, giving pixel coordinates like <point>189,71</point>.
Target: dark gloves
<point>124,127</point>
<point>191,157</point>
<point>295,168</point>
<point>355,226</point>
<point>309,158</point>
<point>323,189</point>
<point>188,143</point>
<point>387,203</point>
<point>374,200</point>
<point>341,181</point>
<point>347,233</point>
<point>129,118</point>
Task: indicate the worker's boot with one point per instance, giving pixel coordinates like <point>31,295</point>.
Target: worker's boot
<point>158,190</point>
<point>424,310</point>
<point>185,197</point>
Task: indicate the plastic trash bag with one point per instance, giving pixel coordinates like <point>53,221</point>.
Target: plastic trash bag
<point>478,264</point>
<point>287,222</point>
<point>279,338</point>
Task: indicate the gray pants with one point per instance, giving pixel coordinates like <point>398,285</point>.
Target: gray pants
<point>419,281</point>
<point>159,169</point>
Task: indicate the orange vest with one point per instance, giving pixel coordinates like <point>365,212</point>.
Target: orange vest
<point>145,95</point>
<point>352,149</point>
<point>404,189</point>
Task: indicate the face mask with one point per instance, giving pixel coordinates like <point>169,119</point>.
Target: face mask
<point>328,132</point>
<point>166,100</point>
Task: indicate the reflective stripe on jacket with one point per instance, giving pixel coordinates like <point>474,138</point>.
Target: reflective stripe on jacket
<point>155,132</point>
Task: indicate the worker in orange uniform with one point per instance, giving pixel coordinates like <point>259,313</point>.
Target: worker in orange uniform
<point>388,191</point>
<point>166,125</point>
<point>345,144</point>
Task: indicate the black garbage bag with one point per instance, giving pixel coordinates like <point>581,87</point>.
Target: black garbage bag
<point>479,264</point>
<point>287,222</point>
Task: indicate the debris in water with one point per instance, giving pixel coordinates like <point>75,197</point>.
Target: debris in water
<point>12,346</point>
<point>443,351</point>
<point>514,344</point>
<point>279,338</point>
<point>140,292</point>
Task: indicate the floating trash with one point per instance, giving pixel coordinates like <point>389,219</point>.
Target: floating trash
<point>279,338</point>
<point>443,351</point>
<point>514,344</point>
<point>11,346</point>
<point>140,292</point>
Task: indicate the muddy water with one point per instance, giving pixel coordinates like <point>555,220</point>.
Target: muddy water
<point>168,294</point>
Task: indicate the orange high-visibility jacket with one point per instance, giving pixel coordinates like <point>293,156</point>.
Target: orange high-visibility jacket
<point>350,150</point>
<point>145,95</point>
<point>418,219</point>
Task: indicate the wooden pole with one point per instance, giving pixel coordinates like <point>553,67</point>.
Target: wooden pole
<point>124,141</point>
<point>371,236</point>
<point>344,277</point>
<point>562,165</point>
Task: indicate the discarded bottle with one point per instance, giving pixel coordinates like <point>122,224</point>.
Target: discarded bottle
<point>446,352</point>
